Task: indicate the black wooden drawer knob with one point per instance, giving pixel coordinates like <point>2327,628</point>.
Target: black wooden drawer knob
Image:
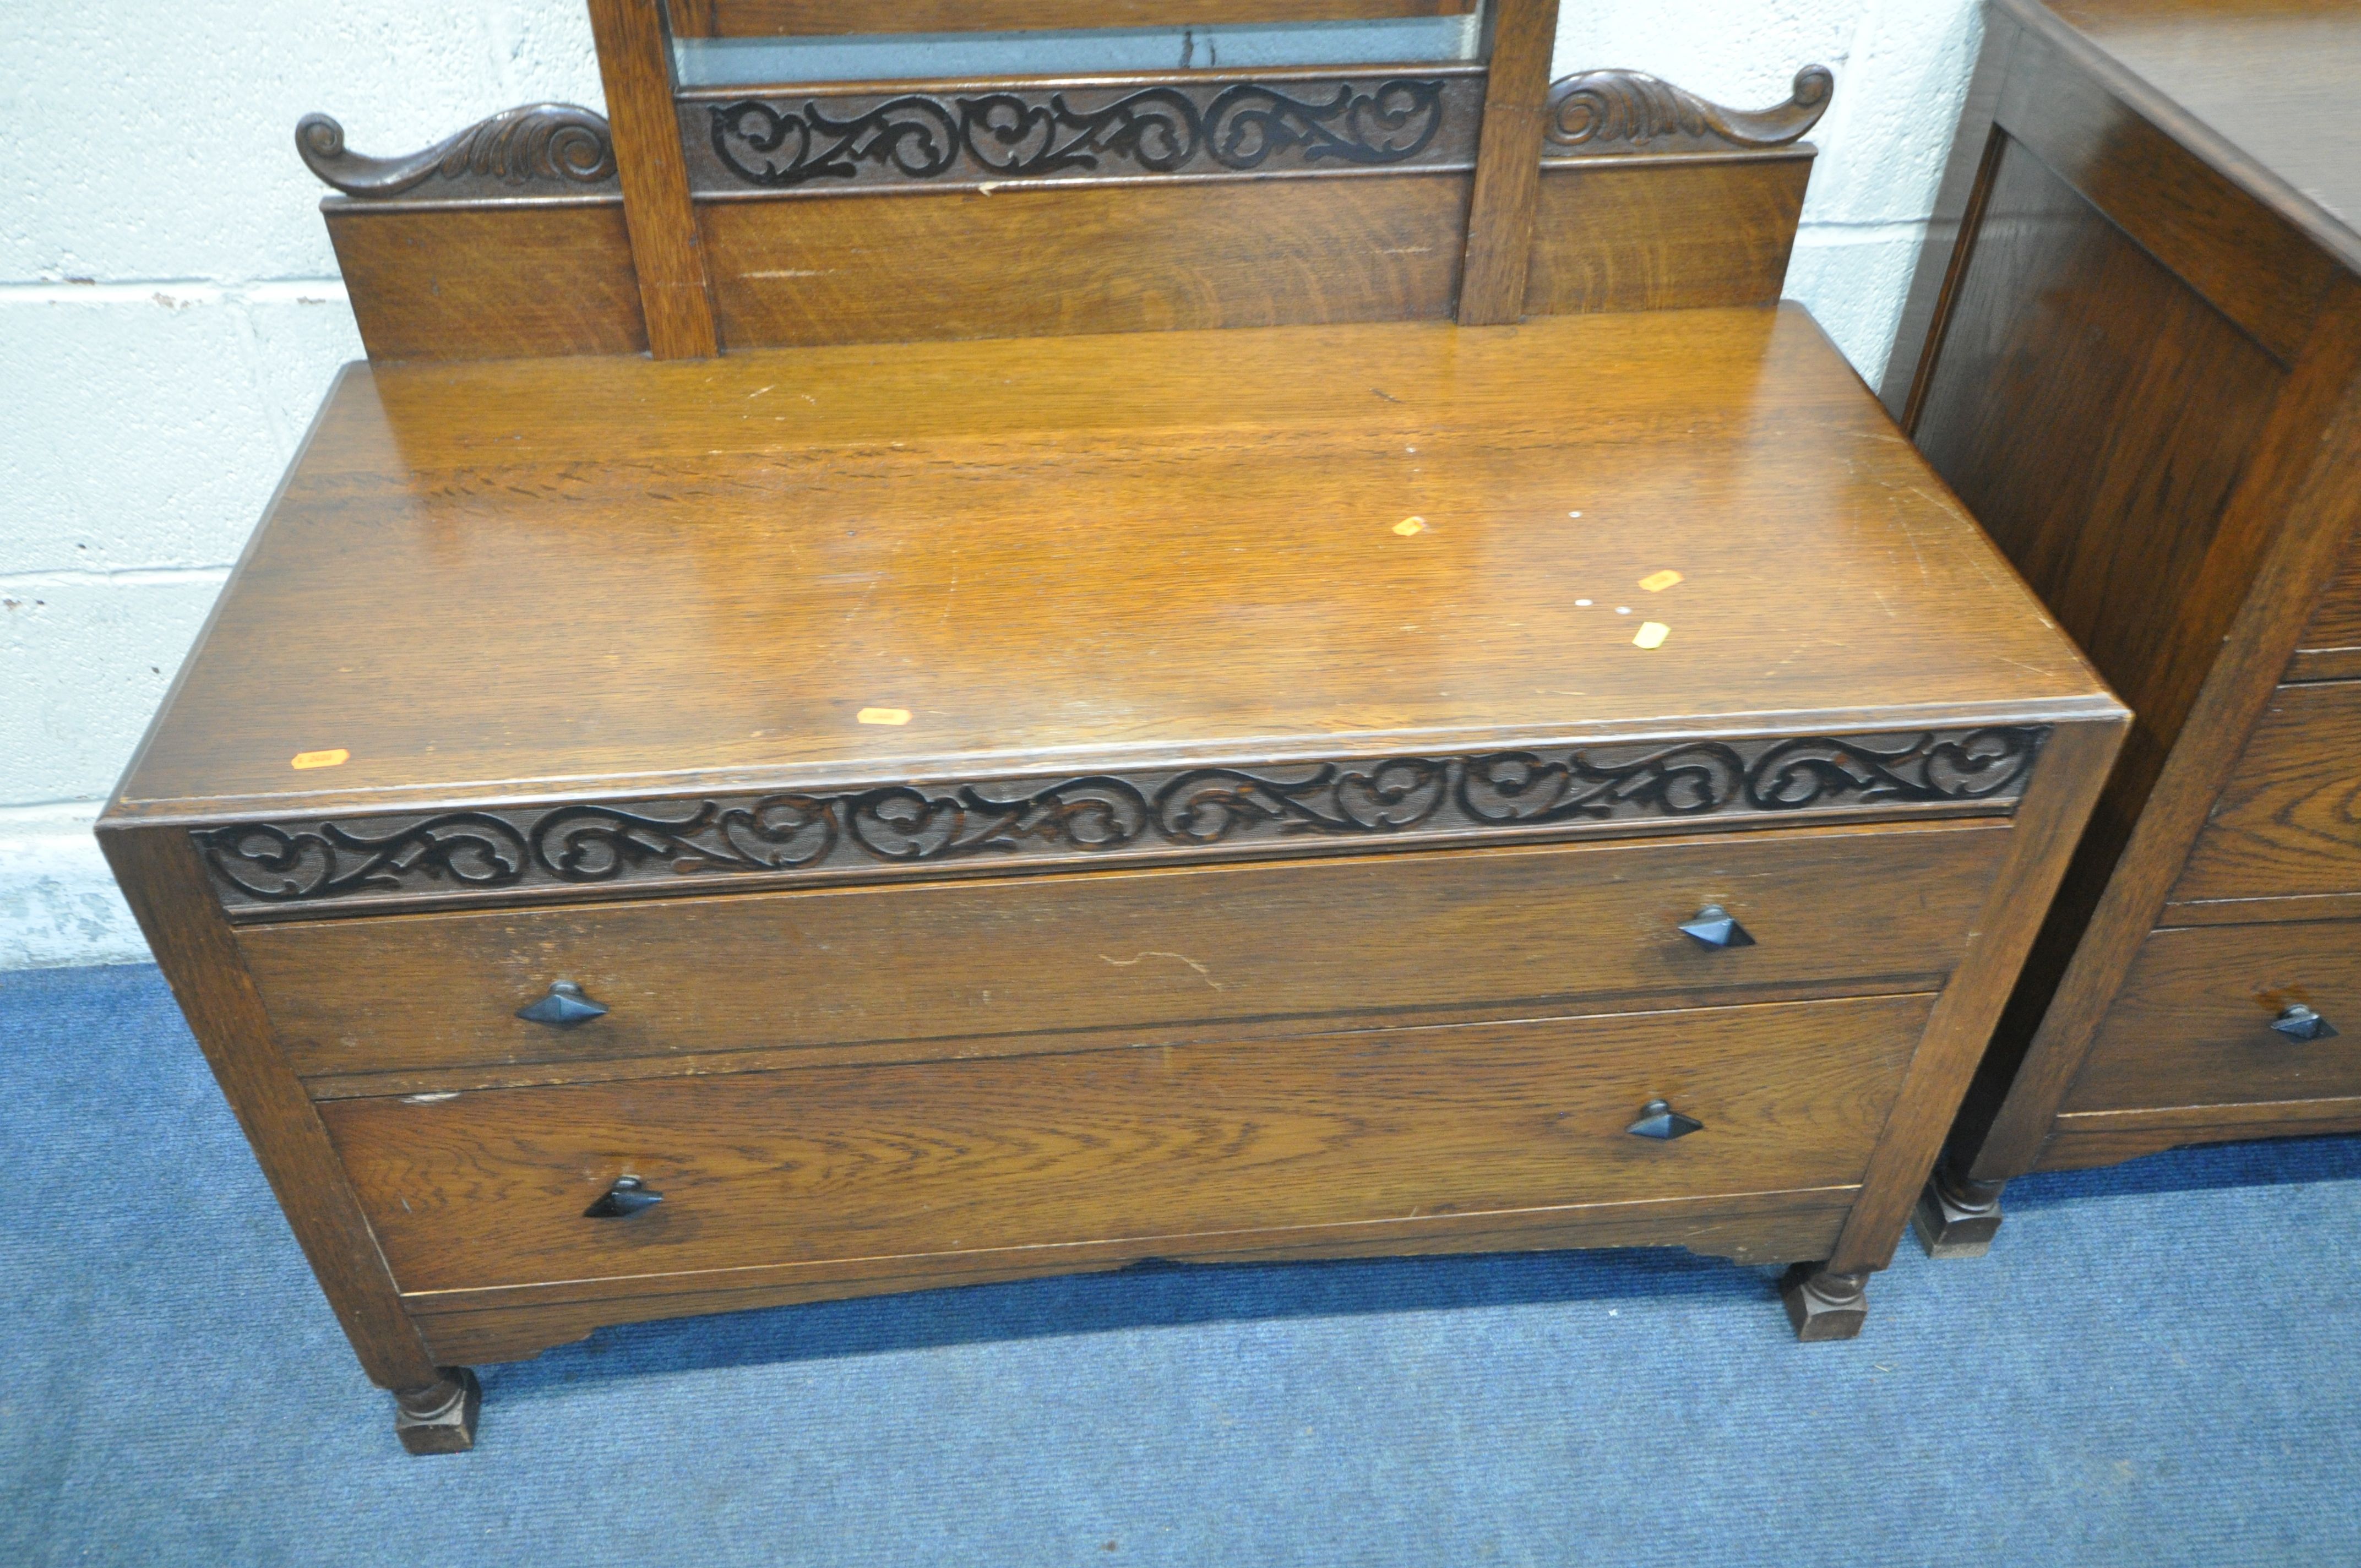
<point>1659,1121</point>
<point>564,1007</point>
<point>1714,928</point>
<point>628,1197</point>
<point>2300,1023</point>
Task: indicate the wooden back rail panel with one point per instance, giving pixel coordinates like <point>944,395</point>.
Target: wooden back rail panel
<point>1655,233</point>
<point>816,18</point>
<point>1269,253</point>
<point>1016,207</point>
<point>491,282</point>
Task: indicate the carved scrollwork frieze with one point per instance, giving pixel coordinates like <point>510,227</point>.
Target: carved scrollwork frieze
<point>1023,132</point>
<point>539,149</point>
<point>266,864</point>
<point>1619,113</point>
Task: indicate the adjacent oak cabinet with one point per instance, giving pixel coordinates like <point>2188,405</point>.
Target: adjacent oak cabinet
<point>2136,353</point>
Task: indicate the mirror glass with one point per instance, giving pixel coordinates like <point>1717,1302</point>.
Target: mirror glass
<point>730,62</point>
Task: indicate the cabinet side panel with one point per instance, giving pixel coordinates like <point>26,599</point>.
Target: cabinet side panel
<point>2096,414</point>
<point>165,886</point>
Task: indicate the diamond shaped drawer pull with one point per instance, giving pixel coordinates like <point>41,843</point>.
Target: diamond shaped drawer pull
<point>2300,1023</point>
<point>1658,1120</point>
<point>1714,928</point>
<point>564,1007</point>
<point>628,1197</point>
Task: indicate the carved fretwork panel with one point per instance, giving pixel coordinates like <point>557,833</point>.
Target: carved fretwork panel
<point>748,143</point>
<point>903,828</point>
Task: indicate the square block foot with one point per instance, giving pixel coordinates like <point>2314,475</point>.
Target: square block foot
<point>440,1418</point>
<point>1824,1306</point>
<point>1957,1219</point>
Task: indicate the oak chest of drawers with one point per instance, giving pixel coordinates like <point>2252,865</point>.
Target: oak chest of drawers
<point>1239,877</point>
<point>2142,369</point>
<point>658,835</point>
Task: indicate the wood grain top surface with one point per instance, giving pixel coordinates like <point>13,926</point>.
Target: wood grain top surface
<point>2274,79</point>
<point>550,578</point>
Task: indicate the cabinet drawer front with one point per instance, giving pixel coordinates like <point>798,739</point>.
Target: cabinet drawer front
<point>2288,824</point>
<point>2192,1024</point>
<point>1146,1143</point>
<point>2331,641</point>
<point>1833,912</point>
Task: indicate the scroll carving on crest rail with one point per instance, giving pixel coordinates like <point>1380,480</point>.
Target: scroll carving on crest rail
<point>1619,113</point>
<point>1029,132</point>
<point>263,865</point>
<point>539,149</point>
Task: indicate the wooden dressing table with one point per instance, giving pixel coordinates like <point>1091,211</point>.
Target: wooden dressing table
<point>964,786</point>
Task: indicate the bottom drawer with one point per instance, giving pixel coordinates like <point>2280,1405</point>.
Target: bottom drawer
<point>2192,1024</point>
<point>1146,1143</point>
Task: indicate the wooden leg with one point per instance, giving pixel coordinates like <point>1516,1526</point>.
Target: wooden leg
<point>440,1417</point>
<point>1957,1216</point>
<point>1822,1305</point>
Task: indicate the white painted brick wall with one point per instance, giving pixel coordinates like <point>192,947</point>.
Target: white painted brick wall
<point>170,314</point>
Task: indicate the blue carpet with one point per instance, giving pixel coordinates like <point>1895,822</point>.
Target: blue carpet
<point>2156,1365</point>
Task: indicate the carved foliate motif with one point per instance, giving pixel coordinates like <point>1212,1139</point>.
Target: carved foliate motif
<point>557,148</point>
<point>1023,133</point>
<point>263,864</point>
<point>1623,111</point>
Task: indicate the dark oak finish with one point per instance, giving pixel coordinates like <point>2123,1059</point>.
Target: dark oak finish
<point>2112,512</point>
<point>2085,1138</point>
<point>2330,648</point>
<point>2285,825</point>
<point>494,283</point>
<point>1508,163</point>
<point>1823,1304</point>
<point>2256,268</point>
<point>760,19</point>
<point>635,64</point>
<point>1141,1146</point>
<point>440,1417</point>
<point>2142,369</point>
<point>2192,1024</point>
<point>932,965</point>
<point>1957,1217</point>
<point>1954,225</point>
<point>2261,83</point>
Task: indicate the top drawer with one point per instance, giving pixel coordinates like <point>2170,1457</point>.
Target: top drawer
<point>2288,822</point>
<point>1832,912</point>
